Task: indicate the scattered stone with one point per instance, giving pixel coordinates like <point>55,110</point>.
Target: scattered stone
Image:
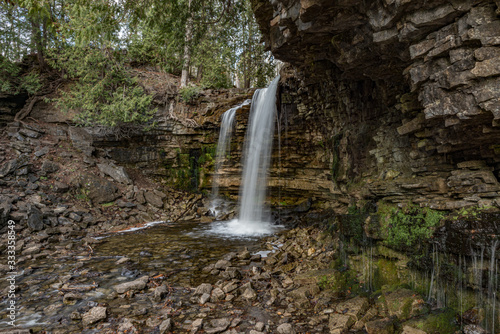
<point>259,326</point>
<point>381,326</point>
<point>222,264</point>
<point>218,325</point>
<point>159,293</point>
<point>340,323</point>
<point>49,167</point>
<point>122,260</point>
<point>217,295</point>
<point>203,288</point>
<point>196,325</point>
<point>474,329</point>
<point>204,298</point>
<point>285,329</point>
<point>94,315</point>
<point>71,298</point>
<point>153,199</point>
<point>166,326</point>
<point>136,285</point>
<point>249,294</point>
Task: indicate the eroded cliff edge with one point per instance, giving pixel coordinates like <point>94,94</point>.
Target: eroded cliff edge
<point>405,94</point>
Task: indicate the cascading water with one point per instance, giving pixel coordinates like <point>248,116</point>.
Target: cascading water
<point>253,219</point>
<point>223,149</point>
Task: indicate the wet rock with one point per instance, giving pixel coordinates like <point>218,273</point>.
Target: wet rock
<point>260,326</point>
<point>126,326</point>
<point>402,303</point>
<point>122,260</point>
<point>145,254</point>
<point>35,218</point>
<point>228,288</point>
<point>117,173</point>
<point>222,264</point>
<point>94,315</point>
<point>71,298</point>
<point>411,330</point>
<point>217,295</point>
<point>159,293</point>
<point>166,326</point>
<point>204,298</point>
<point>285,329</point>
<point>31,250</point>
<point>153,199</point>
<point>382,326</point>
<point>354,307</point>
<point>339,323</point>
<point>232,273</point>
<point>218,325</point>
<point>153,321</point>
<point>196,325</point>
<point>249,294</point>
<point>245,255</point>
<point>203,288</point>
<point>474,329</point>
<point>52,309</point>
<point>136,285</point>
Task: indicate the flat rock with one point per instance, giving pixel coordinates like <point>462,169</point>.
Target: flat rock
<point>381,326</point>
<point>136,285</point>
<point>285,329</point>
<point>117,173</point>
<point>94,315</point>
<point>340,322</point>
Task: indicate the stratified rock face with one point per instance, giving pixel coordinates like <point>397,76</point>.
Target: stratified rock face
<point>405,94</point>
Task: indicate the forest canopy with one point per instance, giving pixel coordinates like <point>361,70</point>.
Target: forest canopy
<point>95,44</point>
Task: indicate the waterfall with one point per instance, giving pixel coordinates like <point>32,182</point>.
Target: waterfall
<point>253,219</point>
<point>223,149</point>
<point>257,155</point>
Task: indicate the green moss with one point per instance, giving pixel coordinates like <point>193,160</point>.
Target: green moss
<point>107,205</point>
<point>408,227</point>
<point>385,274</point>
<point>440,323</point>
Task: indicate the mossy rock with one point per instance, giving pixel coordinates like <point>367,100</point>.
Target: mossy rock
<point>442,322</point>
<point>402,303</point>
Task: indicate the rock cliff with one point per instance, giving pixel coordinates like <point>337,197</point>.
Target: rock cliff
<point>405,94</point>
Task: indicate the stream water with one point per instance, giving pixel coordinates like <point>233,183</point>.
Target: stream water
<point>171,253</point>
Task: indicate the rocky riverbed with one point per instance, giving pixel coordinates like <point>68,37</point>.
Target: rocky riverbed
<point>176,278</point>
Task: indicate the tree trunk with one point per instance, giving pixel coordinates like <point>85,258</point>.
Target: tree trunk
<point>36,35</point>
<point>187,50</point>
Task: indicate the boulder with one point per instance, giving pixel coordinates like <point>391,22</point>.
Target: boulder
<point>153,199</point>
<point>117,173</point>
<point>97,189</point>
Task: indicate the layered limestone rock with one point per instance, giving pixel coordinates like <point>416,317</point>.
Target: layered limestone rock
<point>407,93</point>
